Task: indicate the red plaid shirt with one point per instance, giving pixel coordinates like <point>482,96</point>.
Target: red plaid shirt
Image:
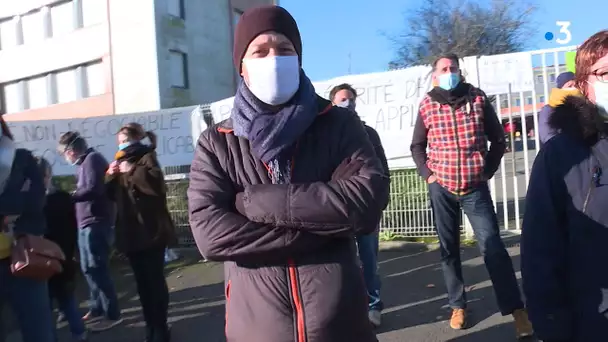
<point>457,142</point>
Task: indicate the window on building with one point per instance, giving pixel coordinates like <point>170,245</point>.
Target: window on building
<point>95,79</point>
<point>13,98</point>
<point>93,12</point>
<point>37,92</point>
<point>517,102</point>
<point>176,8</point>
<point>62,18</point>
<point>8,33</point>
<point>541,99</point>
<point>33,27</point>
<point>66,86</point>
<point>539,79</point>
<point>528,100</point>
<point>552,78</point>
<point>504,103</point>
<point>178,66</point>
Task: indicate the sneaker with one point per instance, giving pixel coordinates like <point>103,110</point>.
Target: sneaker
<point>105,324</point>
<point>61,318</point>
<point>375,317</point>
<point>459,319</point>
<point>523,327</point>
<point>91,317</point>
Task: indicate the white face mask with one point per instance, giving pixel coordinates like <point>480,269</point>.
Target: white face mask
<point>601,97</point>
<point>273,80</point>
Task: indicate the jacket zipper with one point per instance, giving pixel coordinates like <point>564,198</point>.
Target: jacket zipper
<point>587,197</point>
<point>592,185</point>
<point>292,275</point>
<point>297,301</point>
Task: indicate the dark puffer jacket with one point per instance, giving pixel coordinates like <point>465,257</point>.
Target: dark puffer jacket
<point>291,269</point>
<point>565,229</point>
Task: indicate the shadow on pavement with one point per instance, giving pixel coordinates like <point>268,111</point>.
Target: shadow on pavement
<point>496,333</point>
<point>413,291</point>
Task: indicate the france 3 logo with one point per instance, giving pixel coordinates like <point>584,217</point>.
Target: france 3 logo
<point>564,30</point>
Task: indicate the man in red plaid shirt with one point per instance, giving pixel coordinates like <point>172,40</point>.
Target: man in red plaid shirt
<point>456,121</point>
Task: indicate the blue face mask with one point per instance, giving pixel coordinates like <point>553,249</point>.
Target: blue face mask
<point>449,81</point>
<point>124,145</point>
<point>350,104</point>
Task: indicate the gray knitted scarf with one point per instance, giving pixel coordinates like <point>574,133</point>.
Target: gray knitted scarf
<point>272,134</point>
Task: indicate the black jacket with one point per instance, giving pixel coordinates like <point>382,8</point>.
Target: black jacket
<point>60,217</point>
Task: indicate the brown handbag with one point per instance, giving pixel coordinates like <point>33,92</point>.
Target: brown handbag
<point>35,257</point>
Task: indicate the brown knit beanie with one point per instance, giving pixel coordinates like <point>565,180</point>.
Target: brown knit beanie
<point>263,19</point>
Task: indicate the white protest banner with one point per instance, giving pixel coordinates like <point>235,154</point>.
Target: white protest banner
<point>387,101</point>
<point>172,126</point>
<point>497,71</point>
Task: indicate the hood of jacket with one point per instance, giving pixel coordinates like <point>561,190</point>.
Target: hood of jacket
<point>558,96</point>
<point>579,118</point>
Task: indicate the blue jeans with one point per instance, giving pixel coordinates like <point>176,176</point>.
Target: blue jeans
<point>30,302</point>
<point>368,253</point>
<point>478,207</point>
<point>69,307</point>
<point>94,243</point>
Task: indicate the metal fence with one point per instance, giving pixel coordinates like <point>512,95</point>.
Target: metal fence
<point>408,213</point>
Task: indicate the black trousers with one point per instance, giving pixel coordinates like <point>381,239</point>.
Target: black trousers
<point>148,269</point>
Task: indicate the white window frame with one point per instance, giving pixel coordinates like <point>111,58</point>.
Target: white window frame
<point>34,98</point>
<point>182,66</point>
<point>94,72</point>
<point>40,36</point>
<point>60,93</point>
<point>67,24</point>
<point>176,8</point>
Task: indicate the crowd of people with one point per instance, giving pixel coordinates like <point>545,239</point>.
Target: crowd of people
<point>123,201</point>
<point>289,191</point>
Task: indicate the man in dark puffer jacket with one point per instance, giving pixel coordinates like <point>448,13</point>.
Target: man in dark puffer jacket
<point>279,190</point>
<point>345,96</point>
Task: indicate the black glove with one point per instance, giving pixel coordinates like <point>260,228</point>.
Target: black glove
<point>239,203</point>
<point>347,169</point>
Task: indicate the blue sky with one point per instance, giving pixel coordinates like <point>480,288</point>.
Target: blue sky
<point>333,29</point>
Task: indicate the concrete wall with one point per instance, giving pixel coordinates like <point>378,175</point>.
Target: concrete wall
<point>206,35</point>
<point>134,57</point>
<point>83,45</point>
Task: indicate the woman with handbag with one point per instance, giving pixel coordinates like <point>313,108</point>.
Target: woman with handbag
<point>22,197</point>
<point>144,227</point>
<point>62,229</point>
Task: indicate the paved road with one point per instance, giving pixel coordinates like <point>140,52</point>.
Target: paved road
<point>413,292</point>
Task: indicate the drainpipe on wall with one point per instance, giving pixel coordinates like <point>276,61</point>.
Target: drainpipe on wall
<point>111,56</point>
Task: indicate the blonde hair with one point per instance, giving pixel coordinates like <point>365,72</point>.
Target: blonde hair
<point>135,131</point>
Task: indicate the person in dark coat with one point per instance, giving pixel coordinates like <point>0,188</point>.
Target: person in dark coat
<point>22,212</point>
<point>564,82</point>
<point>62,229</point>
<point>278,192</point>
<point>345,96</point>
<point>144,227</point>
<point>565,228</point>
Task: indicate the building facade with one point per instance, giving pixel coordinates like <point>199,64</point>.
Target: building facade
<point>82,58</point>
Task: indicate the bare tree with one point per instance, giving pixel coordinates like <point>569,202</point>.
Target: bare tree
<point>463,27</point>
